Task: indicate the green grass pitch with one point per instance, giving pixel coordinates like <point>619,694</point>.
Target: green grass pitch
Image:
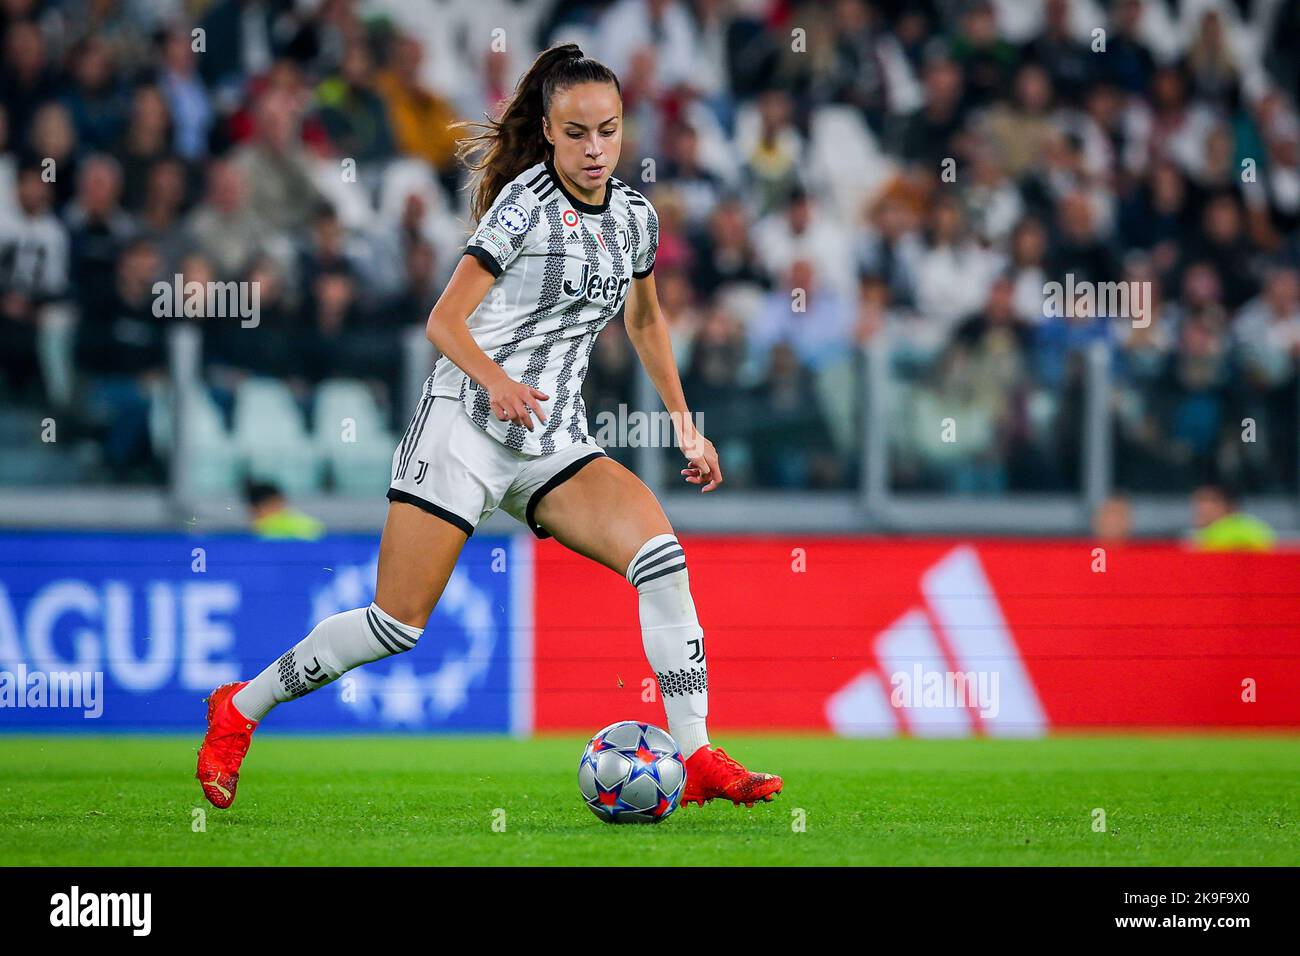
<point>393,800</point>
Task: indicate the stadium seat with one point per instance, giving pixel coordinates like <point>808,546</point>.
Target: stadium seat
<point>844,153</point>
<point>841,396</point>
<point>440,226</point>
<point>272,437</point>
<point>215,459</point>
<point>28,460</point>
<point>162,423</point>
<point>350,435</point>
<point>208,442</point>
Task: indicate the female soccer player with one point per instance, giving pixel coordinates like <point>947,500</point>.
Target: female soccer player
<point>560,245</point>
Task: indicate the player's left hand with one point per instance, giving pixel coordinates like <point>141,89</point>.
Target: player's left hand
<point>702,468</point>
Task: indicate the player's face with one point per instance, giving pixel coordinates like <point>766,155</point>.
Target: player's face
<point>585,125</point>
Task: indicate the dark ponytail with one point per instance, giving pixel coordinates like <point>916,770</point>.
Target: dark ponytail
<point>501,149</point>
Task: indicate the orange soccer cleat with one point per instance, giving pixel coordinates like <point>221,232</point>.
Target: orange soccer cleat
<point>711,773</point>
<point>224,746</point>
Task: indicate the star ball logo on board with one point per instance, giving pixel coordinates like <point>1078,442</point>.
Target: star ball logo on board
<point>75,909</point>
<point>399,695</point>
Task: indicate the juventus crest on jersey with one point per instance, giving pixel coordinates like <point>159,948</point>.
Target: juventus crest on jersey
<point>563,268</point>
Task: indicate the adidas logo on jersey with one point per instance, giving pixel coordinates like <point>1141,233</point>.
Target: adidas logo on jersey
<point>572,237</point>
<point>595,286</point>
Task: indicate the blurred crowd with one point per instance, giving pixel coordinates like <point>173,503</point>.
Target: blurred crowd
<point>904,175</point>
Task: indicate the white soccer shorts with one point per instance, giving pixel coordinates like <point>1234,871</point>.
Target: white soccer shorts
<point>449,467</point>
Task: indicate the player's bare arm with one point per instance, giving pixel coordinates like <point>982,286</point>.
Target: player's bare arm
<point>648,333</point>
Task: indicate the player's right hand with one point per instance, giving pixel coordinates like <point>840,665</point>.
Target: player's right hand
<point>517,403</point>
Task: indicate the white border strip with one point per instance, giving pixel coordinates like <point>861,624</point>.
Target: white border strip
<point>520,641</point>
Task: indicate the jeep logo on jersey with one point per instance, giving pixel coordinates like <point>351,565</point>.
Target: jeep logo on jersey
<point>595,286</point>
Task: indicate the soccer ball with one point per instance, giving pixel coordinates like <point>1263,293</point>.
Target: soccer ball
<point>631,773</point>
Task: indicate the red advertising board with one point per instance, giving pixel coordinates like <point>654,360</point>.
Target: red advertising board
<point>875,637</point>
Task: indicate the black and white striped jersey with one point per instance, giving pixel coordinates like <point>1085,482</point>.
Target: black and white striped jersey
<point>563,268</point>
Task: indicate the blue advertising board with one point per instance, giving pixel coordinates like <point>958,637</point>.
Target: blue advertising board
<point>130,631</point>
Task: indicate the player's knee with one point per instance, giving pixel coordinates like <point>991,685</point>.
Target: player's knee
<point>661,559</point>
<point>391,632</point>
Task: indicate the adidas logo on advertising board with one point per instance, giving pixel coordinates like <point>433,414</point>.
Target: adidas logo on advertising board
<point>952,666</point>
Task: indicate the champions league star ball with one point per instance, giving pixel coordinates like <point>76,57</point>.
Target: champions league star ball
<point>632,773</point>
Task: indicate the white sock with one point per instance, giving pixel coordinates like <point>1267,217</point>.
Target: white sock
<point>334,646</point>
<point>673,639</point>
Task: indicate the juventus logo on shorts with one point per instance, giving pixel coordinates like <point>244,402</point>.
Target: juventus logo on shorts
<point>421,468</point>
<point>696,655</point>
